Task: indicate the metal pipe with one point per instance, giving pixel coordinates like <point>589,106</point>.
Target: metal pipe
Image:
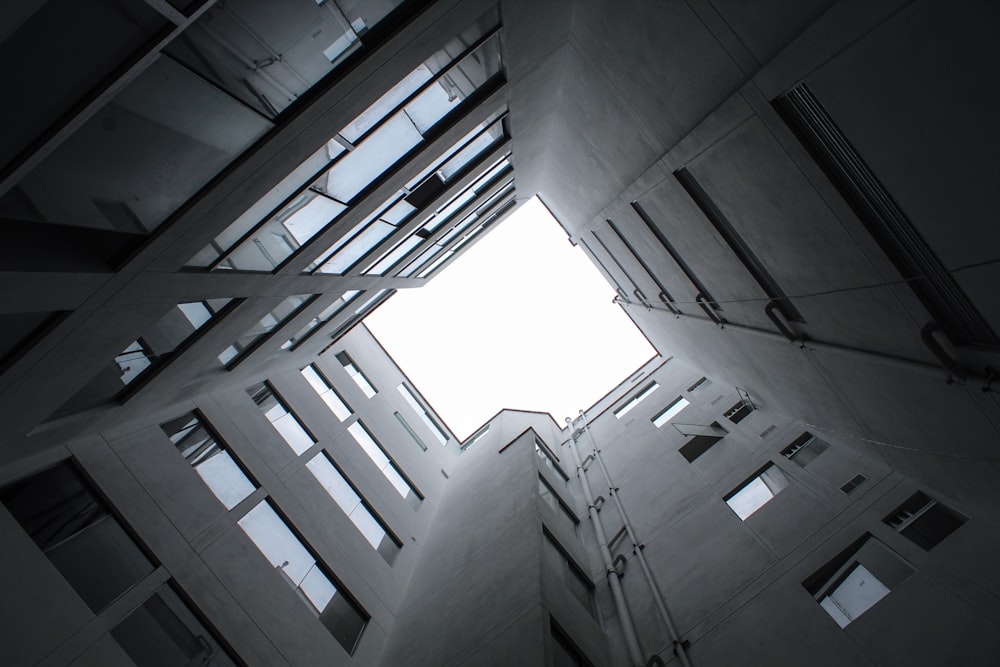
<point>614,582</point>
<point>637,549</point>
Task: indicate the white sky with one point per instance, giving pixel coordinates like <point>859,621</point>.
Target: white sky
<point>522,320</point>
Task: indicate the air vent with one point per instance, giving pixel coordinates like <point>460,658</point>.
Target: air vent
<point>855,482</point>
<point>885,220</point>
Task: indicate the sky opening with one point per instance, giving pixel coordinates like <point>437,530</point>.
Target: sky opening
<point>522,320</point>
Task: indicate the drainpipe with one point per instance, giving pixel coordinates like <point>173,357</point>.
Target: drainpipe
<point>614,580</point>
<point>637,549</point>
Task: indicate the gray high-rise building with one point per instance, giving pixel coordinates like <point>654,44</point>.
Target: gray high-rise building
<point>207,458</point>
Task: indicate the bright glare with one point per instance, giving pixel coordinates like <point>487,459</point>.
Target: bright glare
<point>522,320</point>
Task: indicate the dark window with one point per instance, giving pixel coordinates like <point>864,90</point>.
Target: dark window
<point>698,445</point>
<point>564,653</point>
<point>924,521</point>
<point>855,482</point>
<point>163,631</point>
<point>736,413</point>
<point>63,514</point>
<point>736,243</point>
<point>703,382</point>
<point>804,450</point>
<point>557,562</point>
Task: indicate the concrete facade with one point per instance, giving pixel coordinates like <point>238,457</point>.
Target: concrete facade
<point>791,202</point>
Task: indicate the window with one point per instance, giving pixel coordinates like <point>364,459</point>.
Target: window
<point>669,412</point>
<point>328,186</point>
<point>282,419</point>
<point>756,491</point>
<point>924,521</point>
<point>321,318</point>
<point>204,451</point>
<point>854,581</point>
<point>354,506</point>
<point>549,459</point>
<point>62,513</point>
<point>854,483</point>
<point>337,611</point>
<point>164,631</point>
<point>804,449</point>
<point>476,437</point>
<point>360,379</point>
<point>754,266</point>
<point>551,498</point>
<point>554,558</point>
<point>564,654</point>
<point>736,413</point>
<point>169,333</point>
<point>386,465</point>
<point>626,407</point>
<point>423,413</point>
<point>409,429</point>
<point>698,445</point>
<point>338,406</point>
<point>703,382</point>
<point>258,333</point>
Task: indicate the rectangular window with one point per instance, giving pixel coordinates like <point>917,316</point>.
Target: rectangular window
<point>738,245</point>
<point>476,437</point>
<point>703,382</point>
<point>557,562</point>
<point>423,413</point>
<point>321,318</point>
<point>549,459</point>
<point>564,653</point>
<point>409,429</point>
<point>344,493</point>
<point>206,453</point>
<point>669,412</point>
<point>62,513</point>
<point>338,406</point>
<point>854,581</point>
<point>698,445</point>
<point>385,464</point>
<point>924,521</point>
<point>627,406</point>
<point>551,498</point>
<point>259,332</point>
<point>282,419</point>
<point>360,379</point>
<point>169,333</point>
<point>337,611</point>
<point>804,450</point>
<point>737,413</point>
<point>756,491</point>
<point>854,483</point>
<point>164,631</point>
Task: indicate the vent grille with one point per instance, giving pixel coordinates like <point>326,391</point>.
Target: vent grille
<point>884,219</point>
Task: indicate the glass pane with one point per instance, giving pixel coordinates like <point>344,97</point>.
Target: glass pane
<point>858,593</point>
<point>143,154</point>
<point>210,460</point>
<point>329,395</point>
<point>395,255</point>
<point>260,210</point>
<point>61,512</point>
<point>269,54</point>
<point>386,104</point>
<point>279,314</point>
<point>358,247</point>
<point>368,444</point>
<point>163,631</point>
<point>372,158</point>
<point>291,430</point>
<point>471,151</point>
<point>670,412</point>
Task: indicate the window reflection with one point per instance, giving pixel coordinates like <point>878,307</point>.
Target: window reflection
<point>282,419</point>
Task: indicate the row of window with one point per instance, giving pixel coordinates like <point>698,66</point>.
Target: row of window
<point>327,187</point>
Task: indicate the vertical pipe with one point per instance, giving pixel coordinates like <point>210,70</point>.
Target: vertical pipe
<point>661,606</point>
<point>628,629</point>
